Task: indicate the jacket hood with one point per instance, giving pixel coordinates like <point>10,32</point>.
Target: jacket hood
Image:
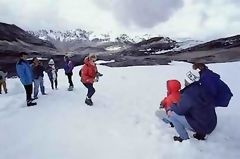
<point>173,86</point>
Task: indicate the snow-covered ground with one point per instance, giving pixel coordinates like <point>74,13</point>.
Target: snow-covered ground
<point>121,124</point>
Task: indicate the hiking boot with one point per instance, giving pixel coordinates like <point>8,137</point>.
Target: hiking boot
<point>88,101</point>
<point>177,138</point>
<point>70,88</point>
<point>199,136</point>
<point>29,104</point>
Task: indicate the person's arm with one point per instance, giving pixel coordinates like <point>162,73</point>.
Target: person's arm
<point>21,71</point>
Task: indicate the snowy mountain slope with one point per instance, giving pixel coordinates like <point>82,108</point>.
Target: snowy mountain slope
<point>122,123</point>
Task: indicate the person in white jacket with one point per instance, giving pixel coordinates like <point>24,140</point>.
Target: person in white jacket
<point>52,74</point>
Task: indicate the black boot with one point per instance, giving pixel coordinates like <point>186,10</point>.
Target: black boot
<point>199,136</point>
<point>30,103</point>
<point>88,101</point>
<point>177,138</point>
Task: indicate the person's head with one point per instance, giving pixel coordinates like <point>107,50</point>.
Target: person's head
<point>200,66</point>
<point>191,76</point>
<point>23,55</point>
<point>66,58</point>
<point>36,61</point>
<point>51,62</point>
<point>92,57</point>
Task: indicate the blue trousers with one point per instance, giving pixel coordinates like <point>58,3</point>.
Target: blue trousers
<point>38,83</point>
<point>90,88</point>
<point>180,123</point>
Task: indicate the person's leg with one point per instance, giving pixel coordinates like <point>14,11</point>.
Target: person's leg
<point>5,87</point>
<point>51,80</point>
<point>42,86</point>
<point>70,79</point>
<point>56,83</point>
<point>28,89</point>
<point>36,87</point>
<point>180,123</point>
<point>162,115</point>
<point>91,90</point>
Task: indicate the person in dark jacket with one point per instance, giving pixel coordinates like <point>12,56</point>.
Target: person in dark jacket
<point>52,74</point>
<point>195,111</point>
<point>38,74</point>
<point>25,74</point>
<point>68,67</point>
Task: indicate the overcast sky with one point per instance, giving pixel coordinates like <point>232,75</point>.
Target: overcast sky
<point>198,19</point>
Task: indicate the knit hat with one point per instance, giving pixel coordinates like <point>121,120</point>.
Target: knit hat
<point>51,62</point>
<point>192,76</point>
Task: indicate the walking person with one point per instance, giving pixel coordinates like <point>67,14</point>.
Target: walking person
<point>52,74</point>
<point>38,74</point>
<point>3,81</point>
<point>25,74</point>
<point>68,68</point>
<point>89,76</point>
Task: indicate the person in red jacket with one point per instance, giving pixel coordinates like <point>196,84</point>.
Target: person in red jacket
<point>89,76</point>
<point>173,94</point>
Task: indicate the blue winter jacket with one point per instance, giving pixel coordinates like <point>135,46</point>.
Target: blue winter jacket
<point>215,87</point>
<point>68,67</point>
<point>24,72</point>
<point>198,109</point>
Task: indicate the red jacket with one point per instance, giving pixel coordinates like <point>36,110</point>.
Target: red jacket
<point>89,71</point>
<point>173,94</point>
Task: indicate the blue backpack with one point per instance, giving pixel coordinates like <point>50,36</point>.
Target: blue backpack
<point>224,94</point>
<point>216,88</point>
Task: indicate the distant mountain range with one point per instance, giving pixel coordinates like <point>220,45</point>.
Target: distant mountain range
<point>124,50</point>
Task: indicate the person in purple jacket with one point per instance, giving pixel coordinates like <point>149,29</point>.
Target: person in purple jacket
<point>68,68</point>
<point>195,111</point>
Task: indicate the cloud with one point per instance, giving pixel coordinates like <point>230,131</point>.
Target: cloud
<point>141,13</point>
<point>205,19</point>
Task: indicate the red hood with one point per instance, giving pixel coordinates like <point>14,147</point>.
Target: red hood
<point>173,86</point>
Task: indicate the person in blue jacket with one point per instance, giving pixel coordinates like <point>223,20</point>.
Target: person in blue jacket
<point>195,111</point>
<point>25,74</point>
<point>68,68</point>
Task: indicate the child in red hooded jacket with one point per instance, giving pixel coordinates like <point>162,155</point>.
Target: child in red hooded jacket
<point>173,94</point>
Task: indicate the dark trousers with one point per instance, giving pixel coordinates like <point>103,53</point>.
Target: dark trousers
<point>69,75</point>
<point>90,88</point>
<point>29,90</point>
<point>54,82</point>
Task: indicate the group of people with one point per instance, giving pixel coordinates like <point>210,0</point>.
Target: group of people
<point>33,74</point>
<point>193,107</point>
